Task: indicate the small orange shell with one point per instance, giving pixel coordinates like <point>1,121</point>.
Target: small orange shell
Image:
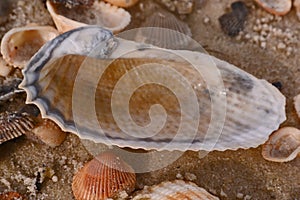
<point>103,177</point>
<point>283,145</point>
<point>177,189</point>
<point>122,3</point>
<point>276,7</point>
<point>49,133</point>
<point>11,196</point>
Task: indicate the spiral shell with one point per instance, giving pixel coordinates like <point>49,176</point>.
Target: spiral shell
<point>13,125</point>
<point>283,145</point>
<point>101,14</point>
<point>177,189</point>
<point>19,44</point>
<point>276,7</point>
<point>103,177</point>
<point>105,98</point>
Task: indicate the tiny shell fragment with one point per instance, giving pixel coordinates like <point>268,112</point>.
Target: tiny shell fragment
<point>5,69</point>
<point>297,6</point>
<point>297,104</point>
<point>19,44</point>
<point>283,145</point>
<point>276,7</point>
<point>49,133</point>
<point>177,189</point>
<point>13,125</point>
<point>122,3</point>
<point>103,177</point>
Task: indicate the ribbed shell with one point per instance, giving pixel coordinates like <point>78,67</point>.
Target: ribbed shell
<point>255,108</point>
<point>13,125</point>
<point>169,32</point>
<point>101,14</point>
<point>103,177</point>
<point>276,7</point>
<point>19,44</point>
<point>172,190</point>
<point>283,145</point>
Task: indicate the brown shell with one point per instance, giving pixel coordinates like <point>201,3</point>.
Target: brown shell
<point>49,133</point>
<point>177,189</point>
<point>103,177</point>
<point>11,196</point>
<point>283,145</point>
<point>14,124</point>
<point>122,3</point>
<point>276,7</point>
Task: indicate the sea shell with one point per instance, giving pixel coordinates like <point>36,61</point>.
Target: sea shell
<point>49,133</point>
<point>177,37</point>
<point>177,189</point>
<point>297,104</point>
<point>122,3</point>
<point>101,14</point>
<point>103,177</point>
<point>96,96</point>
<point>11,196</point>
<point>283,145</point>
<point>276,7</point>
<point>19,44</point>
<point>14,124</point>
<point>297,6</point>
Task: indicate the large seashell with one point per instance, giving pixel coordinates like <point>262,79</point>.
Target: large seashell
<point>101,14</point>
<point>177,189</point>
<point>283,145</point>
<point>174,38</point>
<point>122,3</point>
<point>13,125</point>
<point>20,44</point>
<point>103,177</point>
<point>70,89</point>
<point>276,7</point>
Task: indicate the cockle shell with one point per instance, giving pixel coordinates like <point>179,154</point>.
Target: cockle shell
<point>101,14</point>
<point>96,96</point>
<point>283,145</point>
<point>177,189</point>
<point>19,44</point>
<point>122,3</point>
<point>276,7</point>
<point>103,177</point>
<point>13,125</point>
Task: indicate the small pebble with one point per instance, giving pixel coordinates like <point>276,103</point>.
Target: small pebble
<point>54,179</point>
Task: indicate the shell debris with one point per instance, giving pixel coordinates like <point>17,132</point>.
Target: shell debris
<point>177,189</point>
<point>276,7</point>
<point>14,124</point>
<point>122,3</point>
<point>297,104</point>
<point>106,176</point>
<point>283,145</point>
<point>73,3</point>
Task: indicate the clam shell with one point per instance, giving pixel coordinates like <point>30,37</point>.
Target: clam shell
<point>177,189</point>
<point>276,7</point>
<point>103,177</point>
<point>176,37</point>
<point>62,82</point>
<point>101,14</point>
<point>122,3</point>
<point>19,44</point>
<point>283,145</point>
<point>13,125</point>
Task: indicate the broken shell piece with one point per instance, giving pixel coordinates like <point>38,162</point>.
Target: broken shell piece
<point>20,44</point>
<point>122,3</point>
<point>5,69</point>
<point>276,7</point>
<point>101,14</point>
<point>297,104</point>
<point>103,177</point>
<point>169,31</point>
<point>13,125</point>
<point>49,133</point>
<point>283,145</point>
<point>177,189</point>
<point>11,196</point>
<point>297,6</point>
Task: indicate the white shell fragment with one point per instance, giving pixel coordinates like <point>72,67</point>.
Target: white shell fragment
<point>19,44</point>
<point>283,145</point>
<point>177,189</point>
<point>276,7</point>
<point>101,14</point>
<point>297,104</point>
<point>151,98</point>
